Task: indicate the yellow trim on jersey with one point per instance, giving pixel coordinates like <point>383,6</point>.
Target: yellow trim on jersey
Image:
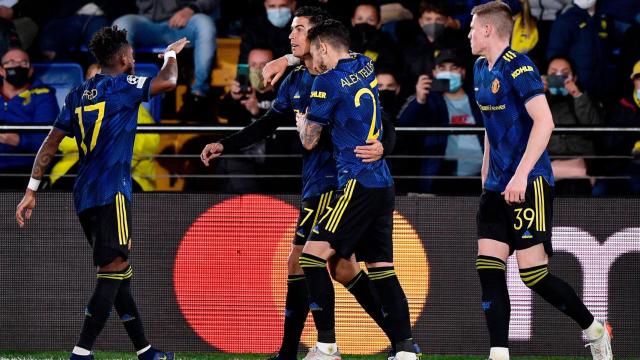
<point>509,55</point>
<point>339,210</point>
<point>325,198</point>
<point>374,83</point>
<point>116,276</point>
<point>538,190</point>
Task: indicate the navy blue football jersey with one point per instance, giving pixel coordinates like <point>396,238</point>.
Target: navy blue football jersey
<point>101,114</point>
<point>345,100</point>
<point>501,94</point>
<point>318,166</point>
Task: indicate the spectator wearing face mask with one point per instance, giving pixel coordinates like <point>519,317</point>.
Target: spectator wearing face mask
<point>455,106</point>
<point>389,92</point>
<point>433,36</point>
<point>25,103</point>
<point>585,35</point>
<point>626,113</point>
<point>270,30</point>
<point>368,39</point>
<point>570,107</point>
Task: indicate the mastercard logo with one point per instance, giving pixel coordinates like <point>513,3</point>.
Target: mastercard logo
<point>230,279</point>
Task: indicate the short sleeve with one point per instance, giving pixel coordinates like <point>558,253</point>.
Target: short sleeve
<point>63,121</point>
<point>282,103</point>
<point>525,78</point>
<point>323,100</point>
<point>134,88</point>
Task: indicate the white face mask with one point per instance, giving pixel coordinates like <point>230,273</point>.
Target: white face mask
<point>584,4</point>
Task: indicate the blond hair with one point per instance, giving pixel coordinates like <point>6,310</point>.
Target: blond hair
<point>498,14</point>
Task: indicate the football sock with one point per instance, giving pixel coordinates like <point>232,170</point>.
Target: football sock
<point>361,289</point>
<point>128,312</point>
<point>595,330</point>
<point>394,303</point>
<point>295,315</point>
<point>321,296</point>
<point>495,298</point>
<point>99,307</point>
<point>557,293</point>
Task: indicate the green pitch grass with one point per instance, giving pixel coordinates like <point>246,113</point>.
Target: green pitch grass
<point>217,356</point>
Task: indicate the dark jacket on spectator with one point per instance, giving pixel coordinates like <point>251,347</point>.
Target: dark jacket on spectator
<point>433,112</point>
<point>260,33</point>
<point>41,11</point>
<point>161,10</point>
<point>586,41</point>
<point>626,113</point>
<point>34,106</point>
<point>377,45</point>
<point>238,115</point>
<point>569,111</point>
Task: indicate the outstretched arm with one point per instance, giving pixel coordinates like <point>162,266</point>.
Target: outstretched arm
<point>167,78</point>
<point>43,160</point>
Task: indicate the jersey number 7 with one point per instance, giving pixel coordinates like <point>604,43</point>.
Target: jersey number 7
<point>96,126</point>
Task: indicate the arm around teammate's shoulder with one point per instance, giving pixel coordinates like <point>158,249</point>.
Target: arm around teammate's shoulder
<point>167,78</point>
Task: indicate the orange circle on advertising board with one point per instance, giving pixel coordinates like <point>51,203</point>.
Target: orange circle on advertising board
<point>230,277</point>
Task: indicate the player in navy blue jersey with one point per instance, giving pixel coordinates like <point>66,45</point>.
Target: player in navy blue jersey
<point>101,114</point>
<point>319,182</point>
<point>516,206</point>
<point>359,220</point>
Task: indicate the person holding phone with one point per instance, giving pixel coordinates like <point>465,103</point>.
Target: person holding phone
<point>439,101</point>
<point>570,107</point>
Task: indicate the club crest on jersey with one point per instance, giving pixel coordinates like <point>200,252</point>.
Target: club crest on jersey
<point>495,86</point>
<point>132,79</point>
<point>90,94</point>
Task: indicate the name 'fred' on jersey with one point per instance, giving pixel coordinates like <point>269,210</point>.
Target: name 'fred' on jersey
<point>345,100</point>
<point>101,114</point>
<point>502,93</point>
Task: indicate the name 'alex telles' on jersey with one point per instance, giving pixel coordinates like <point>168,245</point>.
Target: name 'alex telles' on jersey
<point>346,100</point>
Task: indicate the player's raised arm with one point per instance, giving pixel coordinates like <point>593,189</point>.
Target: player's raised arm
<point>40,166</point>
<point>167,78</point>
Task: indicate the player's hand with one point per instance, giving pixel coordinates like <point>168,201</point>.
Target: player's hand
<point>301,119</point>
<point>12,139</point>
<point>181,18</point>
<point>251,103</point>
<point>24,209</point>
<point>370,152</point>
<point>273,71</point>
<point>176,46</point>
<point>211,151</point>
<point>515,190</point>
<point>572,88</point>
<point>423,86</point>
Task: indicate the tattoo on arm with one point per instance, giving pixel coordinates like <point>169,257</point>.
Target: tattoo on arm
<point>46,153</point>
<point>310,134</point>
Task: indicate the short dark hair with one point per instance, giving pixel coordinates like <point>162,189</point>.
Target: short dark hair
<point>331,31</point>
<point>437,6</point>
<point>315,14</point>
<point>106,43</point>
<point>562,57</point>
<point>373,4</point>
<point>497,13</point>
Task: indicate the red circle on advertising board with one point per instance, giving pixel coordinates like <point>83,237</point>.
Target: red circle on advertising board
<point>222,273</point>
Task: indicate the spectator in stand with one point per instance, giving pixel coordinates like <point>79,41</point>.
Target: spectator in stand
<point>74,23</point>
<point>389,92</point>
<point>626,113</point>
<point>570,107</point>
<point>165,21</point>
<point>585,36</point>
<point>28,16</point>
<point>433,37</point>
<point>270,30</point>
<point>143,165</point>
<point>368,39</point>
<point>25,103</point>
<point>462,154</point>
<point>629,53</point>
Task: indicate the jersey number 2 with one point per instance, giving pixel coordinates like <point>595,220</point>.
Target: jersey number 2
<point>96,126</point>
<point>373,134</point>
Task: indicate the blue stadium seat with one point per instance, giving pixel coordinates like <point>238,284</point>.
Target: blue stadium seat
<point>61,76</point>
<point>155,105</point>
